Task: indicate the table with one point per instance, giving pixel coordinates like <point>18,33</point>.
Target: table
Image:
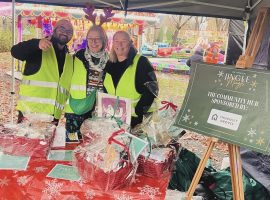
<point>33,184</point>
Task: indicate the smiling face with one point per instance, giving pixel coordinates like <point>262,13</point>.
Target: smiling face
<point>63,32</point>
<point>121,44</point>
<point>94,41</point>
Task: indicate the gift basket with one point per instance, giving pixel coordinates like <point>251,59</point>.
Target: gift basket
<point>158,159</point>
<point>156,164</point>
<point>97,127</point>
<point>32,137</point>
<point>106,162</point>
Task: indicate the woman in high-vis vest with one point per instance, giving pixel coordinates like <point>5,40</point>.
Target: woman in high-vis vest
<point>46,73</point>
<point>88,75</point>
<point>127,74</point>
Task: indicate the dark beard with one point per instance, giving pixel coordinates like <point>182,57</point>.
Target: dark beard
<point>59,41</point>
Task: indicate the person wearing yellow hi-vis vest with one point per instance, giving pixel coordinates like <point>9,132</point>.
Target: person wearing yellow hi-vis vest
<point>88,76</point>
<point>127,75</point>
<point>46,73</point>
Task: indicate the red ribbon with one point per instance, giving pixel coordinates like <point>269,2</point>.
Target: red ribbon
<point>111,139</point>
<point>168,105</point>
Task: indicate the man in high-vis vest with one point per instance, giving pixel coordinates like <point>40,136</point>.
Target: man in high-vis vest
<point>47,72</point>
<point>127,74</point>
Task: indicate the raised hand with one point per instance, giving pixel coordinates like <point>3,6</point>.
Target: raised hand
<point>45,44</point>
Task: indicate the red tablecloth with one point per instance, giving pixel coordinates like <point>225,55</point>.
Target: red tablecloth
<point>33,184</point>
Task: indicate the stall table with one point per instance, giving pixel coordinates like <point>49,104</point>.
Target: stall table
<point>33,184</point>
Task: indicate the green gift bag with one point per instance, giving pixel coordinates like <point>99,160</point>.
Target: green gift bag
<point>82,106</point>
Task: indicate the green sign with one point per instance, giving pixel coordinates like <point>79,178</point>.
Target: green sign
<point>230,104</point>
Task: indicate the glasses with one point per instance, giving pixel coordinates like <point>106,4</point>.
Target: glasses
<point>94,40</point>
<point>65,31</point>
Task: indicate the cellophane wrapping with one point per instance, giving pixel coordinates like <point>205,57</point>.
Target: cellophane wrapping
<point>32,137</point>
<point>100,160</point>
<point>157,129</point>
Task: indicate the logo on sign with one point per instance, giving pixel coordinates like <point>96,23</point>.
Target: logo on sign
<point>224,119</point>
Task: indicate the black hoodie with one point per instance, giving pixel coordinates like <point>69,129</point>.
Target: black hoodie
<point>30,52</point>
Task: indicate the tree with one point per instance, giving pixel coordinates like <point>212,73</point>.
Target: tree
<point>222,24</point>
<point>199,23</point>
<point>179,21</point>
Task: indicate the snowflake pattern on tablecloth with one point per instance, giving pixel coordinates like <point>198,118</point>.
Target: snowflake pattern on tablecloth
<point>149,191</point>
<point>52,189</point>
<point>23,180</point>
<point>81,181</point>
<point>4,182</point>
<point>136,179</point>
<point>40,169</point>
<point>90,194</point>
<point>73,197</point>
<point>123,196</point>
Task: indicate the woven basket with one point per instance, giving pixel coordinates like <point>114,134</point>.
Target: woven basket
<point>151,168</point>
<point>101,180</point>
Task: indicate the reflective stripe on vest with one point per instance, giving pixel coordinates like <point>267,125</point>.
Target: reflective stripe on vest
<point>40,83</point>
<point>44,91</point>
<point>43,101</point>
<point>78,87</point>
<point>126,86</point>
<point>45,84</point>
<point>78,83</point>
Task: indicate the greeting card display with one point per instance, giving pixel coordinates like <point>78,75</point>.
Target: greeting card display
<point>111,106</point>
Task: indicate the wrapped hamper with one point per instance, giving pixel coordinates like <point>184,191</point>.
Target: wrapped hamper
<point>32,137</point>
<point>158,159</point>
<point>156,164</point>
<point>106,163</point>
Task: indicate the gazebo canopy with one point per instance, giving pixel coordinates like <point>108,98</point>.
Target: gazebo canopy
<point>234,9</point>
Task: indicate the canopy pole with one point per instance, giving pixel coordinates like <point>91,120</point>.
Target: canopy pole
<point>245,37</point>
<point>255,4</point>
<point>108,4</point>
<point>185,1</point>
<point>126,7</point>
<point>13,63</point>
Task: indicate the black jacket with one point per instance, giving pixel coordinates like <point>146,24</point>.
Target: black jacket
<point>30,52</point>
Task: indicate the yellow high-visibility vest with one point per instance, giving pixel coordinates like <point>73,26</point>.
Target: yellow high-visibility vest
<point>126,87</point>
<point>78,83</point>
<point>45,91</point>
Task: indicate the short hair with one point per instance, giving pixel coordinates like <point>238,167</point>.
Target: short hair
<point>61,21</point>
<point>102,33</point>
